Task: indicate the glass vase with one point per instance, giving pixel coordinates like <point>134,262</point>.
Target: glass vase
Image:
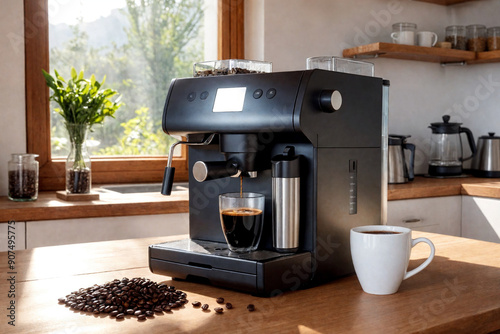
<point>78,165</point>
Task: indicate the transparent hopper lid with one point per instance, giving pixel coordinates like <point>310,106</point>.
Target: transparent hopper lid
<point>230,66</point>
<point>338,64</point>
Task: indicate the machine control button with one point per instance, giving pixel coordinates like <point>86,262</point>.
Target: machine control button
<point>258,93</point>
<point>204,95</point>
<point>353,187</point>
<point>330,100</point>
<point>191,96</point>
<point>271,92</point>
<point>200,171</point>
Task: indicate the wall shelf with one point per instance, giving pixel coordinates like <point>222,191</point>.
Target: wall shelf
<point>420,53</point>
<point>486,57</point>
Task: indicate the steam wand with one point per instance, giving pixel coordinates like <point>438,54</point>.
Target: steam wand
<point>168,176</point>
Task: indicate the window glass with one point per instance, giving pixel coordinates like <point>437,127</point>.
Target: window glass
<point>140,46</point>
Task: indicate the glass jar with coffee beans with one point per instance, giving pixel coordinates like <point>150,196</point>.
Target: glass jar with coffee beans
<point>23,177</point>
<point>493,38</point>
<point>476,37</point>
<point>456,36</point>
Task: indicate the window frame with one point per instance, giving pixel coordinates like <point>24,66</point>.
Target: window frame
<point>123,169</point>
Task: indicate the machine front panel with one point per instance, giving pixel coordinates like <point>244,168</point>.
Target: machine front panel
<point>232,104</point>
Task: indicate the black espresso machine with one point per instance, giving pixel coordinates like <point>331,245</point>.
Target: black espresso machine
<point>336,123</point>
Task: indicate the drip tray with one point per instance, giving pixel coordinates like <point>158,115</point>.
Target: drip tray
<point>261,272</point>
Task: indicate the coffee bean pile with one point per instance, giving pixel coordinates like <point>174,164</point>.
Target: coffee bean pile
<point>78,181</point>
<point>23,184</point>
<point>220,300</point>
<point>224,71</point>
<point>457,42</point>
<point>493,43</point>
<point>136,297</point>
<point>477,44</point>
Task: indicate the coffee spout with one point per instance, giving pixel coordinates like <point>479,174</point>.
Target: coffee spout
<point>243,149</point>
<point>250,174</point>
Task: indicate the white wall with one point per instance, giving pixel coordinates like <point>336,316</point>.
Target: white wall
<point>292,30</point>
<point>12,98</point>
<point>286,32</point>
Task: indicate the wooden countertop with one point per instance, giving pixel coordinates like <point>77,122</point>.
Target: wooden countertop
<point>49,207</point>
<point>422,187</point>
<point>458,293</point>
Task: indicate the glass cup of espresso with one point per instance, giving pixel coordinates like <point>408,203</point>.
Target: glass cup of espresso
<point>242,218</point>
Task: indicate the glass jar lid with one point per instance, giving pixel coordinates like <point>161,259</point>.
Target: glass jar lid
<point>22,157</point>
<point>404,26</point>
<point>476,27</point>
<point>455,29</point>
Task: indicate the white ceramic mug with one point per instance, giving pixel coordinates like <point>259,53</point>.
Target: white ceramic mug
<point>381,254</point>
<point>426,38</point>
<point>403,37</point>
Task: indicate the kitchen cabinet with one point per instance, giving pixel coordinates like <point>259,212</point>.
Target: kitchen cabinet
<point>481,218</point>
<point>70,231</point>
<point>18,230</point>
<point>435,214</point>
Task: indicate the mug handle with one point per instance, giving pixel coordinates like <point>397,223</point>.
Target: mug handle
<point>426,262</point>
<point>394,37</point>
<point>435,37</point>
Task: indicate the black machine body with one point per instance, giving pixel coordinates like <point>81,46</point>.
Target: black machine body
<point>342,144</point>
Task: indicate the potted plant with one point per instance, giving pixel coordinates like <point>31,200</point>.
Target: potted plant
<point>83,103</point>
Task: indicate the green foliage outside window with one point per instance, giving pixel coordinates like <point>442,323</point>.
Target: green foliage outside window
<point>164,39</point>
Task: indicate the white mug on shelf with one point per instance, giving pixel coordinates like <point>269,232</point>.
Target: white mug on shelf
<point>381,253</point>
<point>403,37</point>
<point>426,38</point>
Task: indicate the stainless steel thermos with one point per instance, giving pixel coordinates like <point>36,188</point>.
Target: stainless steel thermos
<point>486,162</point>
<point>286,200</point>
<point>398,170</point>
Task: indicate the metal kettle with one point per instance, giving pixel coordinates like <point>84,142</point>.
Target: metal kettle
<point>398,172</point>
<point>486,162</point>
<point>446,155</point>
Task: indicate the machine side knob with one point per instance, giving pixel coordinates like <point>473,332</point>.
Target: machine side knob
<point>330,100</point>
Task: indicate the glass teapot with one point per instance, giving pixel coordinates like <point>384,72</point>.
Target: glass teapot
<point>446,148</point>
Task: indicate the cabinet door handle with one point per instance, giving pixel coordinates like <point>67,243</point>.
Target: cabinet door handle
<point>412,221</point>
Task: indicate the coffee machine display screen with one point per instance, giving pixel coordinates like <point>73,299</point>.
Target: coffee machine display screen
<point>229,99</point>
